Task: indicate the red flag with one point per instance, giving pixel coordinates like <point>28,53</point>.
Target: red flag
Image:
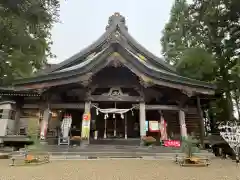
<point>163,129</point>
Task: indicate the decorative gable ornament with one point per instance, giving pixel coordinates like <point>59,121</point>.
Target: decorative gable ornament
<point>141,57</point>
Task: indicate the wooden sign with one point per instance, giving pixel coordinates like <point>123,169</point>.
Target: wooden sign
<point>153,126</point>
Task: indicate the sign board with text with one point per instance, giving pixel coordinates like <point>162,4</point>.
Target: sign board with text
<point>153,126</point>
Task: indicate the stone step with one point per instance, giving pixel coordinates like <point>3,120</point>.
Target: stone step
<point>149,156</point>
<point>128,142</point>
<point>111,149</point>
<point>112,153</point>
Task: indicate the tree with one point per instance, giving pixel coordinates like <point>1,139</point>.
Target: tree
<point>219,20</point>
<point>25,36</point>
<point>235,74</point>
<point>201,67</point>
<point>210,25</point>
<point>175,40</point>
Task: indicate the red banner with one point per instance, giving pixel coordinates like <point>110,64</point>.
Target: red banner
<point>172,143</point>
<point>163,129</point>
<point>86,117</point>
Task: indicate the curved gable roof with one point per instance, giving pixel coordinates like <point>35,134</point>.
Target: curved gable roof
<point>138,59</point>
<point>116,22</point>
<point>143,69</point>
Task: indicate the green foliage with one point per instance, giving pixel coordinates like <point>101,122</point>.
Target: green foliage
<point>148,140</point>
<point>202,67</point>
<point>32,131</point>
<point>174,40</point>
<point>202,39</point>
<point>189,146</point>
<point>25,37</point>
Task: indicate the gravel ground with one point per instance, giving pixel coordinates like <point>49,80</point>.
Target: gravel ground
<point>120,170</point>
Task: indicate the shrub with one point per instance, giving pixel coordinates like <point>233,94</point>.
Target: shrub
<point>148,140</point>
<point>76,138</point>
<point>189,146</point>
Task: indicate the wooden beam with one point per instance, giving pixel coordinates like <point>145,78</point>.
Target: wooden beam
<point>31,106</point>
<point>162,107</point>
<point>67,106</point>
<point>56,106</point>
<point>167,107</point>
<point>117,99</point>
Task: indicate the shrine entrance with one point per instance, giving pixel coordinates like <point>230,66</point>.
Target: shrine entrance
<point>115,127</point>
<point>116,121</point>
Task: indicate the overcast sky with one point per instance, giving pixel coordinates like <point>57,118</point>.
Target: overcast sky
<point>83,21</point>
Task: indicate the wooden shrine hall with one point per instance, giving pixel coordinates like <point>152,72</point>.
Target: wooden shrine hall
<point>113,88</point>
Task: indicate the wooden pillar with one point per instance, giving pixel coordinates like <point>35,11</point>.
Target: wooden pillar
<point>86,123</point>
<point>93,130</point>
<point>87,107</point>
<point>17,120</point>
<point>44,123</point>
<point>125,126</point>
<point>115,128</point>
<point>142,119</point>
<point>105,128</point>
<point>202,127</point>
<point>183,128</point>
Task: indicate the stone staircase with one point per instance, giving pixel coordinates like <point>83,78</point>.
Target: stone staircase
<point>113,152</point>
<point>193,124</point>
<point>125,142</point>
<point>94,152</point>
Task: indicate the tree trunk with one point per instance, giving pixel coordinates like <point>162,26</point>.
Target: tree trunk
<point>229,106</point>
<point>212,121</point>
<point>237,103</point>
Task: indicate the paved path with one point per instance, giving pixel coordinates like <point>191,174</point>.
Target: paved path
<point>120,170</point>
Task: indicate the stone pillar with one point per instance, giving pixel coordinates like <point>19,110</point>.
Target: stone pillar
<point>4,113</point>
<point>142,119</point>
<point>44,123</point>
<point>86,122</point>
<point>183,128</point>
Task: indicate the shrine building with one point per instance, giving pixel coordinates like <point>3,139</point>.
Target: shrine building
<point>113,89</point>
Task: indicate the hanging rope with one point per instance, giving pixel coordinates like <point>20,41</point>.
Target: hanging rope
<point>113,111</point>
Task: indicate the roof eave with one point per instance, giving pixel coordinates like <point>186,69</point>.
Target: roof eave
<point>142,50</point>
<point>57,75</point>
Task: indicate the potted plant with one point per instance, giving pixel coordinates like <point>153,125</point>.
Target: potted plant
<point>148,140</point>
<point>189,147</point>
<point>76,140</point>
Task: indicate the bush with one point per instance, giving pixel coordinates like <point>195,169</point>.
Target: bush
<point>76,138</point>
<point>189,146</point>
<point>148,140</point>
